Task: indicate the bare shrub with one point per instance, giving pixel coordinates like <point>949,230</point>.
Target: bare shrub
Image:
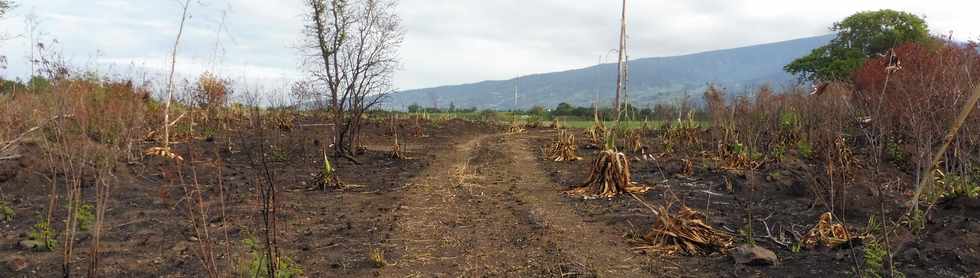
<point>210,91</point>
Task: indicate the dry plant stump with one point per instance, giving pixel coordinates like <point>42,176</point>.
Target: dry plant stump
<point>610,176</point>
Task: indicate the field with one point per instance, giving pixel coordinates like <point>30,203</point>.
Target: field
<point>867,166</point>
<point>473,200</point>
<point>583,124</point>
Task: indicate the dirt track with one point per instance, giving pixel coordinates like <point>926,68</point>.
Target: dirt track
<point>504,218</point>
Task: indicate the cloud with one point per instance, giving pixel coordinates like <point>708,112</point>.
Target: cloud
<point>447,41</point>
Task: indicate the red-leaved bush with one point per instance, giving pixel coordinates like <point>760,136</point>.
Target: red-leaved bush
<point>913,99</point>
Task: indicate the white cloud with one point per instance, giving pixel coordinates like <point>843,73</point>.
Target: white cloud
<point>448,41</point>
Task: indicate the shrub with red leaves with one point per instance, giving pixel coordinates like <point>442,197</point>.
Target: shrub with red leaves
<point>914,96</point>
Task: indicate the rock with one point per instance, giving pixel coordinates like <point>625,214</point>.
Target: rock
<point>912,255</point>
<point>792,177</point>
<point>28,244</point>
<point>753,255</point>
<point>180,247</point>
<point>17,263</point>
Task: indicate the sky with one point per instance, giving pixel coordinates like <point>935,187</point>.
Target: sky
<point>446,42</point>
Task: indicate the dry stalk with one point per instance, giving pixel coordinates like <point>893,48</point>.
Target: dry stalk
<point>198,215</point>
<point>396,151</point>
<point>556,124</point>
<point>564,147</point>
<point>516,128</point>
<point>609,177</point>
<point>598,133</point>
<point>70,161</point>
<point>221,200</point>
<point>8,148</point>
<point>685,231</point>
<point>419,131</point>
<point>170,82</point>
<point>460,174</point>
<point>103,190</point>
<point>635,142</point>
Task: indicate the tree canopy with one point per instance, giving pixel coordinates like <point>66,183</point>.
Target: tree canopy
<point>859,36</point>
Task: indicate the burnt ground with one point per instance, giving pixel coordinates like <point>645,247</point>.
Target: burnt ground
<point>781,198</point>
<point>472,201</point>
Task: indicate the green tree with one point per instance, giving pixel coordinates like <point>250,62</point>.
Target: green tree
<point>564,109</point>
<point>859,36</point>
<point>537,110</point>
<point>414,108</point>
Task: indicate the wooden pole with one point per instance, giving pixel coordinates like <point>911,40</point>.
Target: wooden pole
<point>622,56</point>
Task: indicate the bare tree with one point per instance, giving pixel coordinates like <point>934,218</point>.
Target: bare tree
<point>353,50</point>
<point>4,6</point>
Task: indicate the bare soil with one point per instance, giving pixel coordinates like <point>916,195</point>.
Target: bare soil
<point>472,201</point>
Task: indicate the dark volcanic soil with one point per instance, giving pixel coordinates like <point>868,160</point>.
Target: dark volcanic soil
<point>472,201</point>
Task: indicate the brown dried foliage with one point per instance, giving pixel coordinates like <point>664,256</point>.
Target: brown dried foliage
<point>610,176</point>
<point>685,231</point>
<point>564,147</point>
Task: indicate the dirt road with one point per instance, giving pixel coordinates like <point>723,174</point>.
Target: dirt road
<point>487,209</point>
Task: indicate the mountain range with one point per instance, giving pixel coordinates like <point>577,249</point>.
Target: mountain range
<point>650,80</point>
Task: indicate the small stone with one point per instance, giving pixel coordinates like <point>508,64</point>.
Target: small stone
<point>17,263</point>
<point>28,244</point>
<point>912,255</point>
<point>753,255</point>
<point>180,246</point>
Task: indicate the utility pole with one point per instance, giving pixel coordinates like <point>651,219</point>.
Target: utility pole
<point>626,90</point>
<point>515,92</point>
<point>598,76</point>
<point>622,56</point>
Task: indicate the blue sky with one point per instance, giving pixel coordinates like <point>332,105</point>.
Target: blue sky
<point>447,41</point>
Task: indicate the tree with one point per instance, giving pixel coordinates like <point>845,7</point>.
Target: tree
<point>5,5</point>
<point>859,36</point>
<point>536,110</point>
<point>415,108</point>
<point>353,50</point>
<point>210,92</point>
<point>564,109</point>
